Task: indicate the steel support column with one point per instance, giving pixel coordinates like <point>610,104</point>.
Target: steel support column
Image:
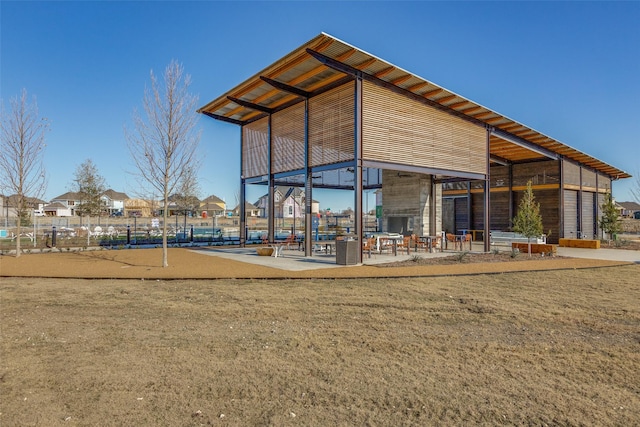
<point>561,216</point>
<point>357,172</point>
<point>487,197</point>
<point>308,185</point>
<point>511,200</point>
<point>432,208</point>
<point>580,230</point>
<point>242,233</point>
<point>271,185</point>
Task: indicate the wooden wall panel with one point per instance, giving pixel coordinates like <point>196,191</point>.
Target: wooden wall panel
<point>588,178</point>
<point>604,182</point>
<point>499,177</point>
<point>397,129</point>
<point>461,214</point>
<point>287,129</point>
<point>540,173</point>
<point>331,126</point>
<point>588,217</point>
<point>500,219</point>
<point>255,144</point>
<point>570,214</point>
<point>571,173</point>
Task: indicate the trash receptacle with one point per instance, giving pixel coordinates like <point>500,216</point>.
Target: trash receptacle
<point>346,252</point>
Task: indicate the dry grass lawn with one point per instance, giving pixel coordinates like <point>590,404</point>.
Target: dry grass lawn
<point>541,348</point>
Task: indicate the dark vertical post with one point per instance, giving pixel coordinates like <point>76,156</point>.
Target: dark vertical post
<point>511,201</point>
<point>596,209</point>
<point>487,196</point>
<point>271,185</point>
<point>191,234</point>
<point>432,208</point>
<point>308,185</point>
<point>242,230</point>
<point>469,207</point>
<point>580,195</point>
<point>128,234</point>
<point>54,234</point>
<point>561,213</point>
<point>357,170</point>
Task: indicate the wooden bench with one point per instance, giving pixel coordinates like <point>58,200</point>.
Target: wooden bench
<point>580,243</point>
<point>536,248</point>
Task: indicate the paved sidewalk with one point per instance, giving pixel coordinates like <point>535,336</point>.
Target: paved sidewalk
<point>605,254</point>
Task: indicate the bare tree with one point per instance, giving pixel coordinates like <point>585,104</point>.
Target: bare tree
<point>163,146</point>
<point>186,196</point>
<point>22,146</point>
<point>90,186</point>
<point>635,187</point>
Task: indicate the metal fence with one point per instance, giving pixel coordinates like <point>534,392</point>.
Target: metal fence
<point>117,232</point>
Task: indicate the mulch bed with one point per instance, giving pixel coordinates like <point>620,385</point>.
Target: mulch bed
<point>469,258</point>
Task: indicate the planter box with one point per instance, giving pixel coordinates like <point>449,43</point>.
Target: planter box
<point>536,248</point>
<point>580,243</point>
<point>264,251</point>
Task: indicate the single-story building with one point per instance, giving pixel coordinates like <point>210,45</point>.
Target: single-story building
<point>330,115</point>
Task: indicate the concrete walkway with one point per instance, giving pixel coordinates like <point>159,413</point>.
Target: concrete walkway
<point>605,254</point>
<point>293,260</point>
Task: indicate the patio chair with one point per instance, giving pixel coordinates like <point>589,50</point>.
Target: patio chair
<point>437,243</point>
<point>450,238</point>
<point>417,243</point>
<point>291,239</point>
<point>369,246</point>
<point>404,244</point>
<point>467,238</point>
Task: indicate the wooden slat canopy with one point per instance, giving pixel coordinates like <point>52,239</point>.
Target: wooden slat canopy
<point>306,75</point>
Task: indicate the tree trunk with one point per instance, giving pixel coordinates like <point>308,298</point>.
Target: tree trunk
<point>165,258</point>
<point>18,231</point>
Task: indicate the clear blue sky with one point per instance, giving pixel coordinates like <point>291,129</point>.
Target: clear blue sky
<point>568,69</point>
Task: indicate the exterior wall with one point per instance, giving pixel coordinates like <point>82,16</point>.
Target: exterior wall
<point>396,129</point>
<point>406,203</point>
<point>545,178</point>
<point>584,191</point>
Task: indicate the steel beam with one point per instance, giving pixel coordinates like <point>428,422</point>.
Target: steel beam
<point>251,105</point>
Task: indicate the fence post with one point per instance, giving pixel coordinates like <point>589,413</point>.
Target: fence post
<point>191,234</point>
<point>53,236</point>
<point>128,234</point>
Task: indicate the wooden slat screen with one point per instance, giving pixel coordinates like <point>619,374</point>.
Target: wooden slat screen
<point>331,126</point>
<point>604,182</point>
<point>255,139</point>
<point>571,173</point>
<point>540,173</point>
<point>397,129</point>
<point>570,214</point>
<point>588,178</point>
<point>287,132</point>
<point>588,220</point>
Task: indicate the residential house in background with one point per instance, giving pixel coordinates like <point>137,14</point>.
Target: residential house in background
<point>251,210</point>
<point>288,203</point>
<point>9,205</point>
<point>212,206</point>
<point>114,202</point>
<point>628,209</point>
<point>138,208</point>
<point>63,205</point>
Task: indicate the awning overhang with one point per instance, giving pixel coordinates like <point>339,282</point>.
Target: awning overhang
<point>325,62</point>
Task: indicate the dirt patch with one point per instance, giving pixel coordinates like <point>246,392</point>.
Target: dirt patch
<point>462,258</point>
<point>540,348</point>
